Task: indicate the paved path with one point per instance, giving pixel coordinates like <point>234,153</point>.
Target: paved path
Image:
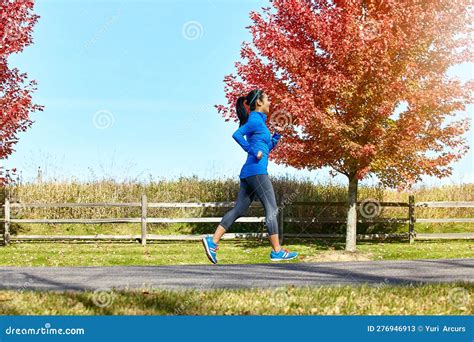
<point>237,276</point>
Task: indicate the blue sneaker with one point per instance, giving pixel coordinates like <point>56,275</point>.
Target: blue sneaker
<point>283,254</point>
<point>210,248</point>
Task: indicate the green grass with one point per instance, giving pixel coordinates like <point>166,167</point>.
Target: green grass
<point>383,299</point>
<point>433,299</point>
<point>444,228</point>
<point>230,252</point>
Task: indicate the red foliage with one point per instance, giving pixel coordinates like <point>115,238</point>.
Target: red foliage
<point>16,26</point>
<point>361,86</point>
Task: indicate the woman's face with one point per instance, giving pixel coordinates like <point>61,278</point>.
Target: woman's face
<point>263,105</point>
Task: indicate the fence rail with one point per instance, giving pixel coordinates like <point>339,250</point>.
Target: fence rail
<point>144,220</point>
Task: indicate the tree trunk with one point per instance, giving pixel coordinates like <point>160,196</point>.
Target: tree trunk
<point>351,229</point>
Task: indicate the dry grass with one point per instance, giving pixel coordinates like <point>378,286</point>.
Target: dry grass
<point>193,189</point>
<point>433,299</point>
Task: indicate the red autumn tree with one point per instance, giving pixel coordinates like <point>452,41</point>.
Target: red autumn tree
<point>16,26</point>
<point>361,86</point>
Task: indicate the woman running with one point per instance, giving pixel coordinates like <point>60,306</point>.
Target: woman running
<point>254,179</point>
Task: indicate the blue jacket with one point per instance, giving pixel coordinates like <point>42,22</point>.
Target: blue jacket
<point>258,139</point>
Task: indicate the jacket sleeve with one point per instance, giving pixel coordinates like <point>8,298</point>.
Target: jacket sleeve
<point>274,141</point>
<point>246,129</point>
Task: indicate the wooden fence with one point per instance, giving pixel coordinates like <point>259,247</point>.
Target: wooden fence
<point>143,220</point>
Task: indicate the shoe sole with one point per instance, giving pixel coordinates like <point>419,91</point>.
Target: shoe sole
<point>208,252</point>
<point>284,259</point>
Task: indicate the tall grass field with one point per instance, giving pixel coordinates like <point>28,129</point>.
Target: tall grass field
<point>193,189</point>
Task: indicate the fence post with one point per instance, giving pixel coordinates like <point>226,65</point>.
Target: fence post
<point>6,233</point>
<point>144,214</point>
<point>280,226</point>
<point>411,218</point>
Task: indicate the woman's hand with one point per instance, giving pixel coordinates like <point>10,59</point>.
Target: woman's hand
<point>259,155</point>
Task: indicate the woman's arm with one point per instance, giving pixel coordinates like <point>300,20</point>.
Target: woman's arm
<point>246,129</point>
<point>274,141</point>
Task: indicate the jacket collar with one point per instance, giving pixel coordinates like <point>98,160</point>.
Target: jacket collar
<point>263,115</point>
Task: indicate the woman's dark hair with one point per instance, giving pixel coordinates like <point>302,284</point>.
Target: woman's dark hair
<point>250,100</point>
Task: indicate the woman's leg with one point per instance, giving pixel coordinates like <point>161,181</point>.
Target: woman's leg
<point>218,234</point>
<point>262,187</point>
<point>244,198</point>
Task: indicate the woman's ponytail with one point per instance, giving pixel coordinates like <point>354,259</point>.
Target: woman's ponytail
<point>251,101</point>
<point>241,110</point>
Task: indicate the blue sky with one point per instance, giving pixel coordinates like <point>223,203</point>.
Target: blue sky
<point>129,88</point>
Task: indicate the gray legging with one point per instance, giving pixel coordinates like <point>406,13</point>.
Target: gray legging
<point>260,186</point>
